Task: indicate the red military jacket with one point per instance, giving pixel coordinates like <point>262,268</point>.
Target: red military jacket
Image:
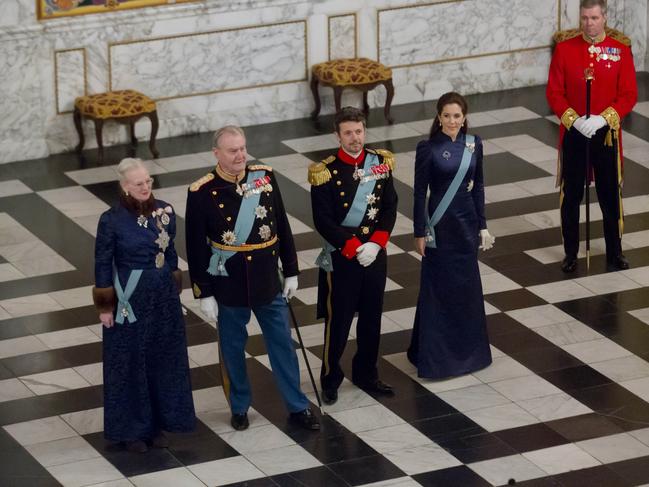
<point>613,90</point>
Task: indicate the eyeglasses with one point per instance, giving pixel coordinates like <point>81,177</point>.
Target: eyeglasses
<point>146,183</point>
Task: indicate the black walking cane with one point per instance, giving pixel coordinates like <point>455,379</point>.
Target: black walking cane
<point>589,75</point>
<point>306,359</point>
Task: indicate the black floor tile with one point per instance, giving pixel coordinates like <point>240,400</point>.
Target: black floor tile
<point>313,477</point>
<point>448,427</point>
<point>333,449</point>
<point>262,482</point>
<point>600,476</point>
<point>635,470</point>
<point>515,299</point>
<point>612,398</point>
<point>419,407</point>
<point>5,373</point>
<point>200,334</point>
<point>366,470</point>
<point>584,427</point>
<point>36,362</point>
<point>477,448</point>
<point>542,360</point>
<point>531,437</point>
<point>19,468</point>
<point>574,378</point>
<point>456,476</point>
<point>201,445</point>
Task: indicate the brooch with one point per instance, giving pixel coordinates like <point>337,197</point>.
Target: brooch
<point>142,221</point>
<point>446,155</point>
<point>470,147</point>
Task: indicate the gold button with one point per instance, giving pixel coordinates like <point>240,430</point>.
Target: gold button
<point>214,193</point>
<point>335,171</point>
<point>378,186</point>
<point>270,208</point>
<point>249,257</point>
<point>338,183</point>
<point>342,193</point>
<point>345,205</point>
<point>229,218</point>
<point>365,230</point>
<point>273,252</point>
<point>221,205</point>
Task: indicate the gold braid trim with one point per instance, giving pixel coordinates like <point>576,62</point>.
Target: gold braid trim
<point>569,117</point>
<point>319,172</point>
<point>260,167</point>
<point>612,118</point>
<point>197,291</point>
<point>196,185</point>
<point>388,157</point>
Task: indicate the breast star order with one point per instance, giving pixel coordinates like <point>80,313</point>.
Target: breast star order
<point>261,212</point>
<point>264,232</point>
<point>162,240</point>
<point>372,212</point>
<point>229,237</point>
<point>370,198</point>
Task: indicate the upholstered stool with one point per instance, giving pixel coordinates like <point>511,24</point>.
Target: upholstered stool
<point>359,73</point>
<point>125,107</point>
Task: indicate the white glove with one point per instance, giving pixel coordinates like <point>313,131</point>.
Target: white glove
<point>290,286</point>
<point>593,124</point>
<point>209,308</point>
<point>579,124</point>
<point>366,253</point>
<point>487,240</point>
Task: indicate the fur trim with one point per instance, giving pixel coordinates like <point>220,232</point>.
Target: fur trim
<point>104,299</point>
<point>178,279</point>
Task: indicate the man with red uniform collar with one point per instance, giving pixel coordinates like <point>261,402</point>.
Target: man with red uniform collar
<point>354,207</point>
<point>613,95</point>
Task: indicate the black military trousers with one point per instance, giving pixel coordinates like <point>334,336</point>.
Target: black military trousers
<point>348,289</point>
<point>604,162</point>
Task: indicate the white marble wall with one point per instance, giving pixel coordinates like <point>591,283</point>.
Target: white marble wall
<point>213,62</point>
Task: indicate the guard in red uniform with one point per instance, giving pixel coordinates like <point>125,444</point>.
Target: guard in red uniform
<point>613,95</point>
<point>354,210</point>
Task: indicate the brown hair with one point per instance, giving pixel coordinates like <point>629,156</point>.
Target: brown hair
<point>348,114</point>
<point>593,3</point>
<point>448,99</point>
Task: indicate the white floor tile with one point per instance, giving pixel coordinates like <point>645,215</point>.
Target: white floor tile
<point>502,368</point>
<point>40,430</point>
<point>568,333</point>
<point>30,305</point>
<point>66,450</point>
<point>623,369</point>
<point>614,448</point>
<point>394,438</point>
<point>640,387</point>
<point>557,406</point>
<point>522,388</point>
<point>498,471</point>
<point>20,346</point>
<point>226,471</point>
<point>473,397</point>
<point>556,292</point>
<point>501,417</point>
<point>68,338</point>
<point>422,458</point>
<point>11,389</point>
<point>367,418</point>
<point>87,421</point>
<point>560,459</point>
<point>610,282</point>
<point>497,283</point>
<point>84,473</point>
<point>537,316</point>
<point>54,381</point>
<point>596,350</point>
<point>26,251</point>
<point>257,439</point>
<point>173,477</point>
<point>282,460</point>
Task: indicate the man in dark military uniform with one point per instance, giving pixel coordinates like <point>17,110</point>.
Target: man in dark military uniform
<point>236,229</point>
<point>613,94</point>
<point>354,207</point>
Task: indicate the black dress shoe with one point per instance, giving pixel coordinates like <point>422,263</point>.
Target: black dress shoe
<point>137,446</point>
<point>240,421</point>
<point>569,264</point>
<point>160,441</point>
<point>329,396</point>
<point>378,387</point>
<point>306,419</point>
<point>617,263</point>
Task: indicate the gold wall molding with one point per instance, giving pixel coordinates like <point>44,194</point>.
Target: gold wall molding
<point>45,12</point>
<point>456,58</point>
<point>218,31</point>
<point>56,76</point>
<point>329,19</point>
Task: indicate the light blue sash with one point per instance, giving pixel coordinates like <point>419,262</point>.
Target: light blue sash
<point>124,308</point>
<point>355,214</point>
<point>450,193</point>
<point>242,228</point>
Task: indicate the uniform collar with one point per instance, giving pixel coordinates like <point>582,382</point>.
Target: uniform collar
<point>229,177</point>
<point>349,159</point>
<point>596,40</point>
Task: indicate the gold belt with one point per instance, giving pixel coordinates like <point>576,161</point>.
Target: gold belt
<point>244,247</point>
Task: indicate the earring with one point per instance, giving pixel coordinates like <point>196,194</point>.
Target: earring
<point>125,193</point>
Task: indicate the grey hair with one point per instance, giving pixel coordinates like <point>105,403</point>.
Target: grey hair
<point>593,3</point>
<point>128,164</point>
<point>226,129</point>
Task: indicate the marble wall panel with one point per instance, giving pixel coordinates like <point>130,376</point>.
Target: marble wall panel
<point>211,62</point>
<point>70,76</point>
<point>425,33</point>
<point>342,36</point>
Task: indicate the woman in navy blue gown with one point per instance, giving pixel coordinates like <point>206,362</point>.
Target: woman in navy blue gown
<point>450,334</point>
<point>147,388</point>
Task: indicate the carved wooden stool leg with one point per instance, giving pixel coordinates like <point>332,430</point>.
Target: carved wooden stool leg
<point>388,101</point>
<point>338,92</point>
<point>99,125</point>
<point>79,127</point>
<point>316,97</point>
<point>153,116</point>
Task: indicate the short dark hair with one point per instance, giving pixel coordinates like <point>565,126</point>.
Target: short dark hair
<point>448,99</point>
<point>593,3</point>
<point>348,114</point>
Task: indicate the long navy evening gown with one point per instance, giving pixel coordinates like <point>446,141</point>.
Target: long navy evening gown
<point>146,372</point>
<point>450,335</point>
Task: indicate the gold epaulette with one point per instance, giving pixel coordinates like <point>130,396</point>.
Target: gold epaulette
<point>319,172</point>
<point>388,157</point>
<point>196,185</point>
<point>260,167</point>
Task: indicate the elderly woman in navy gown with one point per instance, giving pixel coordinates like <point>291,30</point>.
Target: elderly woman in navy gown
<point>450,334</point>
<point>147,388</point>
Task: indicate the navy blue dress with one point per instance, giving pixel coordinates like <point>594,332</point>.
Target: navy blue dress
<point>450,332</point>
<point>146,371</point>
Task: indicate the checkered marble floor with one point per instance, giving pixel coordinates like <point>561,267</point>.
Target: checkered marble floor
<point>565,402</point>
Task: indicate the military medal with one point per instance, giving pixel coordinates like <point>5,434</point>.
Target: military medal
<point>163,240</point>
<point>165,219</point>
<point>261,212</point>
<point>372,212</point>
<point>264,232</point>
<point>142,221</point>
<point>124,312</point>
<point>470,147</point>
<point>159,260</point>
<point>370,198</point>
<point>229,237</point>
